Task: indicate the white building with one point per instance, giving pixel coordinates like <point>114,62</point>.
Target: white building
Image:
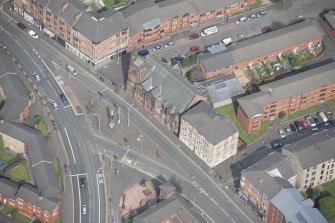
<point>213,138</point>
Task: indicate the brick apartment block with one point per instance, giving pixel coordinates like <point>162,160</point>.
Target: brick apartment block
<point>262,48</point>
<point>289,95</point>
<point>98,38</point>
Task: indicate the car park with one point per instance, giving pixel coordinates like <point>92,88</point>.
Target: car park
<point>37,77</point>
<point>169,44</point>
<point>63,97</point>
<point>143,52</point>
<point>293,128</point>
<point>21,26</point>
<point>281,133</point>
<point>156,48</point>
<point>311,122</point>
<point>194,36</point>
<point>288,130</point>
<point>33,34</point>
<point>304,124</point>
<point>84,209</point>
<point>53,104</point>
<point>194,49</point>
<point>299,126</point>
<point>276,145</point>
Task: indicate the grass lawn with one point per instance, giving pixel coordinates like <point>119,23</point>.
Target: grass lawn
<point>228,110</point>
<point>56,166</point>
<point>6,209</point>
<point>59,220</point>
<point>304,112</point>
<point>330,187</point>
<point>331,103</point>
<point>188,61</point>
<point>94,7</point>
<point>22,218</point>
<point>111,3</point>
<point>5,155</point>
<point>256,5</point>
<point>41,126</point>
<point>19,172</point>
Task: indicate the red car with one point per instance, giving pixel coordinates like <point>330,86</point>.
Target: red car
<point>21,26</point>
<point>194,36</point>
<point>194,49</point>
<point>266,29</point>
<point>304,124</point>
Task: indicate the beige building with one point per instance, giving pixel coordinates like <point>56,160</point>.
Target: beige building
<point>313,159</point>
<point>13,144</point>
<point>96,38</point>
<point>213,138</point>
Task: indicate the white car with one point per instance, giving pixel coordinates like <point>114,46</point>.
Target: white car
<point>156,48</point>
<point>84,209</point>
<point>37,77</point>
<point>169,44</point>
<point>282,133</point>
<point>53,104</point>
<point>33,34</point>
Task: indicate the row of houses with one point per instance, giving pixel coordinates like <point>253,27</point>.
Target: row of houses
<point>273,184</point>
<point>99,37</point>
<point>38,199</point>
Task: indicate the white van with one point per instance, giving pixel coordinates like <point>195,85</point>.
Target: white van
<point>209,31</point>
<point>71,69</point>
<point>226,41</point>
<point>323,118</point>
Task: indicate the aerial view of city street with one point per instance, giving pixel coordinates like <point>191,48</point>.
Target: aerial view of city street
<point>167,111</point>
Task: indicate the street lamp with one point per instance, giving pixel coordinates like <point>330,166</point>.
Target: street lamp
<point>140,139</point>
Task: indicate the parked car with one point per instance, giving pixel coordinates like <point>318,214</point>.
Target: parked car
<point>242,19</point>
<point>288,130</point>
<point>53,104</point>
<point>260,14</point>
<point>266,29</point>
<point>156,48</point>
<point>194,36</point>
<point>317,122</point>
<point>226,41</point>
<point>304,124</point>
<point>143,52</point>
<point>276,145</point>
<point>251,17</point>
<point>169,44</point>
<point>323,118</point>
<point>33,34</point>
<point>37,77</point>
<point>311,122</point>
<point>194,49</point>
<point>293,128</point>
<point>21,26</point>
<point>63,97</point>
<point>330,116</point>
<point>299,126</point>
<point>84,209</point>
<point>282,133</point>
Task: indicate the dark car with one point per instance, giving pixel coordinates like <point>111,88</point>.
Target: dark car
<point>21,26</point>
<point>276,145</point>
<point>143,52</point>
<point>82,183</point>
<point>330,116</point>
<point>194,36</point>
<point>317,122</point>
<point>260,14</point>
<point>266,29</point>
<point>63,97</point>
<point>293,128</point>
<point>299,126</point>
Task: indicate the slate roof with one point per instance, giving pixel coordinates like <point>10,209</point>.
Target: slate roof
<point>295,208</point>
<point>168,86</point>
<point>287,87</point>
<point>270,174</point>
<point>313,150</point>
<point>330,16</point>
<point>94,26</point>
<point>31,194</point>
<point>16,96</point>
<point>261,45</point>
<point>174,209</point>
<point>208,123</point>
<point>143,11</point>
<point>222,88</point>
<point>39,156</point>
<point>8,188</point>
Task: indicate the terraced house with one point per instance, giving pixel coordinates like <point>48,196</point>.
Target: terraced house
<point>260,49</point>
<point>287,95</point>
<point>96,38</point>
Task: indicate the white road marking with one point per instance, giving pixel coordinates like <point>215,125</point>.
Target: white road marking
<point>67,106</point>
<point>103,90</point>
<point>98,197</point>
<point>79,200</point>
<point>214,201</point>
<point>78,174</point>
<point>74,158</point>
<point>124,155</point>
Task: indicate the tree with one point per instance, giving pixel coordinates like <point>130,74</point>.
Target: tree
<point>282,115</point>
<point>277,25</point>
<point>327,207</point>
<point>313,194</point>
<point>178,187</point>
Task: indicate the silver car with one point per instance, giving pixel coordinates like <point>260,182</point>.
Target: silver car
<point>84,209</point>
<point>282,133</point>
<point>169,44</point>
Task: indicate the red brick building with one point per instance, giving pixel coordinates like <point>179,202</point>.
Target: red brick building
<point>329,22</point>
<point>266,47</point>
<point>28,201</point>
<point>287,96</point>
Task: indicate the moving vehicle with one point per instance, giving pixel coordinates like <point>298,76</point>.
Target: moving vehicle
<point>143,52</point>
<point>53,104</point>
<point>297,124</point>
<point>63,97</point>
<point>311,122</point>
<point>293,128</point>
<point>226,41</point>
<point>282,133</point>
<point>21,26</point>
<point>33,34</point>
<point>156,48</point>
<point>194,49</point>
<point>169,44</point>
<point>70,68</point>
<point>209,31</point>
<point>84,209</point>
<point>194,36</point>
<point>323,118</point>
<point>82,183</point>
<point>37,77</point>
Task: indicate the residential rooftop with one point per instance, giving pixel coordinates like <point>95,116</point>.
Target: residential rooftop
<point>287,87</point>
<point>330,16</point>
<point>8,188</point>
<point>313,150</point>
<point>214,127</point>
<point>261,45</point>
